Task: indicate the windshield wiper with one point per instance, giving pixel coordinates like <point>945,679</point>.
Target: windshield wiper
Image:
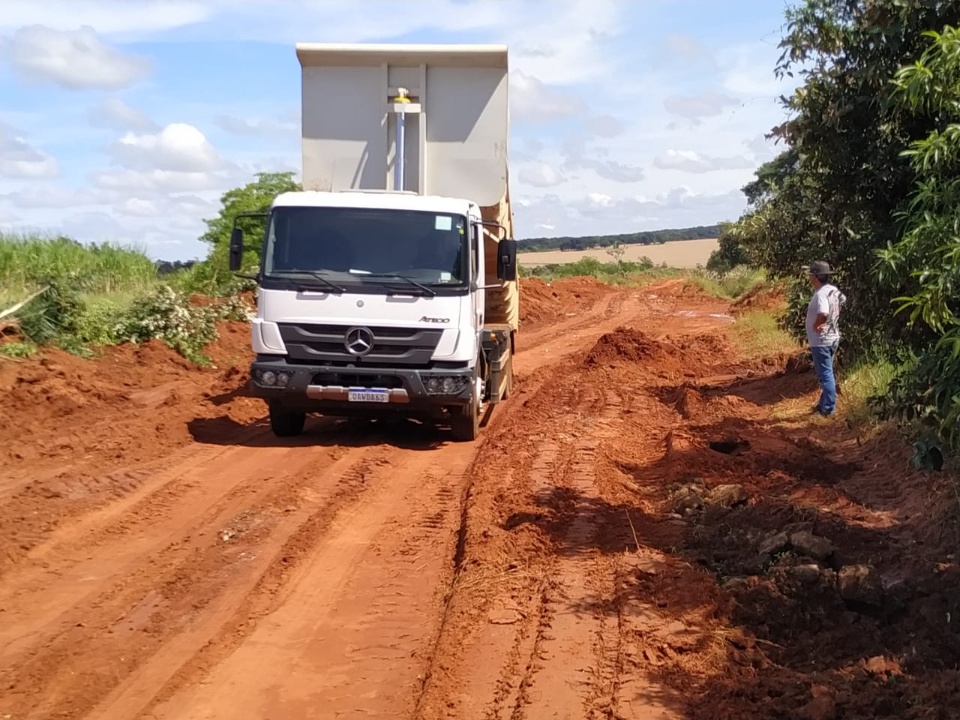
<point>427,290</point>
<point>332,285</point>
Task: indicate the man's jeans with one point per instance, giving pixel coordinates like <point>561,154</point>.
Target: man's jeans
<point>823,365</point>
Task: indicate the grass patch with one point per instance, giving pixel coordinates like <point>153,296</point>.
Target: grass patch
<point>757,333</point>
<point>861,382</point>
<point>726,286</point>
<point>17,350</point>
<point>729,285</point>
<point>29,262</point>
<point>613,273</point>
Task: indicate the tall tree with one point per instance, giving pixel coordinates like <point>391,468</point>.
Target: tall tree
<point>925,261</point>
<point>834,193</point>
<point>255,196</point>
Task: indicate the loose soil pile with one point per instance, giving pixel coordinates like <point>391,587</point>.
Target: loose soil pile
<point>545,303</point>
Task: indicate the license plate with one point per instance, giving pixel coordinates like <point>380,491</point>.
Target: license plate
<point>367,395</point>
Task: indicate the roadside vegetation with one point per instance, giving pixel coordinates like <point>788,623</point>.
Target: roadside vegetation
<point>60,293</point>
<point>869,182</point>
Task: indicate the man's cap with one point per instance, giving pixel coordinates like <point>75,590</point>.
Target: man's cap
<point>819,267</point>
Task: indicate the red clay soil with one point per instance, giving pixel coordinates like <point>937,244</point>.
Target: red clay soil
<point>546,303</point>
<point>762,297</point>
<point>650,527</point>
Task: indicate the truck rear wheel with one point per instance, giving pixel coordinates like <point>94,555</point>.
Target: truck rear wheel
<point>286,423</point>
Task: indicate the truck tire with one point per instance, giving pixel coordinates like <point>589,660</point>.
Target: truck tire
<point>465,423</point>
<point>286,423</point>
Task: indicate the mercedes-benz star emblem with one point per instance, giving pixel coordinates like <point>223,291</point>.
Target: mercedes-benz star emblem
<point>358,341</point>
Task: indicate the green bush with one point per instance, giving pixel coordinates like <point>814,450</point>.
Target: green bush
<point>590,267</point>
<point>53,315</point>
<point>167,315</point>
<point>17,349</point>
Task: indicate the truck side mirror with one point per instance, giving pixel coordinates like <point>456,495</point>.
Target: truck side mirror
<point>507,260</point>
<point>236,249</point>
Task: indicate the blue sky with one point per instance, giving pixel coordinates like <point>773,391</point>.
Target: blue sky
<point>125,120</point>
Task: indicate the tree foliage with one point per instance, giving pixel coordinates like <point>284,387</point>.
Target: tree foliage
<point>868,180</point>
<point>834,193</point>
<point>925,261</point>
<point>253,197</point>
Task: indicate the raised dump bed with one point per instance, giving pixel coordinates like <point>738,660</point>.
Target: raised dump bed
<point>456,129</point>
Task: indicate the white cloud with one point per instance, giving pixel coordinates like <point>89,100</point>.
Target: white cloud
<point>20,160</point>
<point>541,175</point>
<point>138,208</point>
<point>178,148</point>
<point>534,103</point>
<point>107,16</point>
<point>252,127</point>
<point>689,49</point>
<point>605,126</point>
<point>582,155</point>
<point>692,162</point>
<point>115,114</point>
<point>53,196</point>
<point>699,106</point>
<point>72,59</point>
<point>132,181</point>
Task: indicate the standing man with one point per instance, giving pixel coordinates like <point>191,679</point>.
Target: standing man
<point>823,332</point>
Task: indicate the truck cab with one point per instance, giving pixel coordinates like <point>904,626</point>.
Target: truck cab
<point>403,301</point>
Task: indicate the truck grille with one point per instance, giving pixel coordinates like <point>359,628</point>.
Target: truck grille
<point>325,345</point>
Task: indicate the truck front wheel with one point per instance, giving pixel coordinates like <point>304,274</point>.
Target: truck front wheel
<point>465,421</point>
<point>286,423</point>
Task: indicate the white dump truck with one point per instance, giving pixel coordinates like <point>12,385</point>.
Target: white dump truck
<point>389,284</point>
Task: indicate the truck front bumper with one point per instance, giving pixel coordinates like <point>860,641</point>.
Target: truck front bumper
<point>357,390</point>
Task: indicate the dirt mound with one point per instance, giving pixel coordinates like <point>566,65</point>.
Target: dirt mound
<point>625,345</point>
<point>542,302</point>
<point>670,357</point>
<point>59,403</point>
<point>761,297</point>
<point>695,406</point>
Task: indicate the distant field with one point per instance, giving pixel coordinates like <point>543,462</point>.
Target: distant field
<point>678,254</point>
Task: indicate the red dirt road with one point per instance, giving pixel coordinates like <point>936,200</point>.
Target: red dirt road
<point>610,548</point>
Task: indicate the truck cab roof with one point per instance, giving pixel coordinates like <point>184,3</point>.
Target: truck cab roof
<point>379,200</point>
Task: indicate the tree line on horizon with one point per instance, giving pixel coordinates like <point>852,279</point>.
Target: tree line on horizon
<point>644,237</point>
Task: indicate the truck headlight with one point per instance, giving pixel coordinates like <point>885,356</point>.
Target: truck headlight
<point>446,384</point>
<point>272,378</point>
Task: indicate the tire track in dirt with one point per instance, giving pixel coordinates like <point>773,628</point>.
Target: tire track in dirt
<point>157,596</point>
<point>68,574</point>
<point>30,515</point>
<point>179,618</point>
<point>541,638</point>
<point>570,667</point>
<point>352,631</point>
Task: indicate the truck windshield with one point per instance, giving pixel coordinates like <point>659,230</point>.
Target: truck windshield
<point>367,246</point>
